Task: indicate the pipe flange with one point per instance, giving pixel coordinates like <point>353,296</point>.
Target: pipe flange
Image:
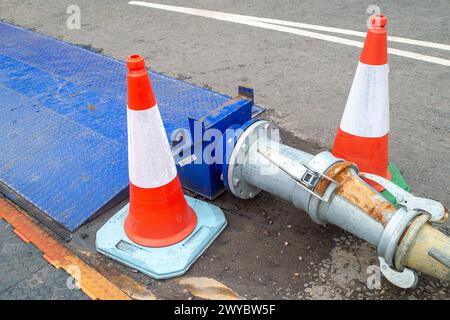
<point>240,155</point>
<point>408,240</point>
<point>394,229</point>
<point>321,163</point>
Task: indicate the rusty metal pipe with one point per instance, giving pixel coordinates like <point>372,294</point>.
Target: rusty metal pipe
<point>331,191</point>
<point>356,220</point>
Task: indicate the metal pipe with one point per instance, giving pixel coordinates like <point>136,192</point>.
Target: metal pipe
<point>269,177</point>
<point>259,171</point>
<point>355,221</point>
<point>330,190</point>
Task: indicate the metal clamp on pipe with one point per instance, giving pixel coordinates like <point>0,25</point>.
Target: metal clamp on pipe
<point>436,210</point>
<point>330,190</point>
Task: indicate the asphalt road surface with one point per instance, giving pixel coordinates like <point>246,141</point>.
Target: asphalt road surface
<point>302,81</point>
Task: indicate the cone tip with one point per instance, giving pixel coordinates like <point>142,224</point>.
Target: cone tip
<point>379,21</point>
<point>135,62</point>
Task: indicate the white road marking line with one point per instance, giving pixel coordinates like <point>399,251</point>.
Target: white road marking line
<point>246,20</point>
<point>352,33</point>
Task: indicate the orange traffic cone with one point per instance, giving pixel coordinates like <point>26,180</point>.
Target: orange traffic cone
<point>363,133</point>
<point>161,232</point>
<point>159,215</point>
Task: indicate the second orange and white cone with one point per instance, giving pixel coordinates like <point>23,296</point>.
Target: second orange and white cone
<point>362,136</point>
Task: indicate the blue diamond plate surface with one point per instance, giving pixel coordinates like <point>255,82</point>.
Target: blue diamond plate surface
<point>63,134</point>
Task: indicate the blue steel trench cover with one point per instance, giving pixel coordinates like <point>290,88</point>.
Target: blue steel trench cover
<point>63,141</point>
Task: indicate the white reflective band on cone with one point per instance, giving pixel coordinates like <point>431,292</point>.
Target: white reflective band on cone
<point>366,113</point>
<point>150,160</point>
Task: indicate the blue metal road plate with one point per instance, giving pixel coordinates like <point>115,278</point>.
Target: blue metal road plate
<point>63,141</point>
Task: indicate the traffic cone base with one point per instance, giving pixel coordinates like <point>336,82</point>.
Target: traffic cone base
<point>164,262</point>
